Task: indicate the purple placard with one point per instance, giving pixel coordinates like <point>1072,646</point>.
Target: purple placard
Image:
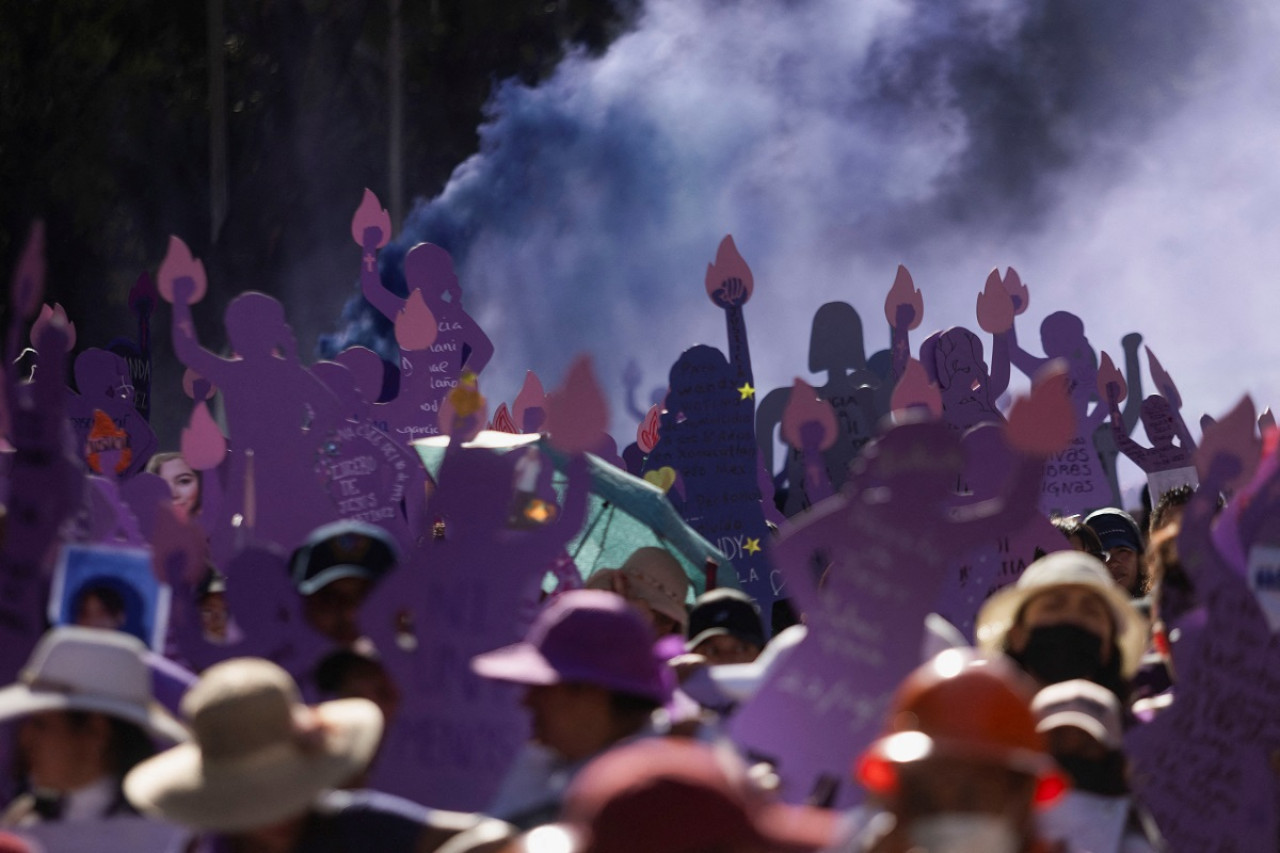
<point>706,456</point>
<point>882,546</point>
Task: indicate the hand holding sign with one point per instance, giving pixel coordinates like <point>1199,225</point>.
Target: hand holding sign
<point>729,282</point>
<point>181,278</point>
<point>371,224</point>
<point>1111,384</point>
<point>904,305</point>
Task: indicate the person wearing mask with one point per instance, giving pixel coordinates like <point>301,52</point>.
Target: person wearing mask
<point>960,766</point>
<point>1081,723</point>
<point>592,680</point>
<point>1065,618</point>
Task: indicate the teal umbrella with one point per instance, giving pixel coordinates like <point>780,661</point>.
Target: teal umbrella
<point>624,512</point>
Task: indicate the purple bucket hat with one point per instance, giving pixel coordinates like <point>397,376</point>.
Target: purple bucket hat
<point>585,637</point>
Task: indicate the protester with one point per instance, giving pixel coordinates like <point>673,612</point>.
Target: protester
<point>592,681</point>
<point>961,766</point>
<point>1065,618</point>
<point>86,716</point>
<point>1123,545</point>
<point>261,772</point>
<point>725,627</point>
<point>1081,722</point>
<point>654,583</point>
<point>100,605</point>
<point>335,569</point>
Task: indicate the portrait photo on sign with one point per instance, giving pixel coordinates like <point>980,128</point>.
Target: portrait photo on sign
<point>113,588</point>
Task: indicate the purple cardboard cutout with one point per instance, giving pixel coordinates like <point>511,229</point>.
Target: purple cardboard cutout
<point>1167,465</point>
<point>858,394</point>
<point>707,440</point>
<point>809,426</point>
<point>1074,480</point>
<point>991,566</point>
<point>1204,767</point>
<point>106,385</point>
<point>472,588</point>
<point>882,546</point>
<point>436,336</point>
<point>277,415</point>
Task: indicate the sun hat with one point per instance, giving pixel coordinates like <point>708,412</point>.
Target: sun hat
<point>259,756</point>
<point>342,549</point>
<point>681,796</point>
<point>1089,707</point>
<point>90,669</point>
<point>653,576</point>
<point>1064,568</point>
<point>585,636</point>
<point>724,612</point>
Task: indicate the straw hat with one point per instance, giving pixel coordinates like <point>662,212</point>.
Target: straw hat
<point>1064,568</point>
<point>260,756</point>
<point>90,669</point>
<point>653,576</point>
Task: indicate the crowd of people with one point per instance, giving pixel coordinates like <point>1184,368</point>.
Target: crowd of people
<point>446,677</point>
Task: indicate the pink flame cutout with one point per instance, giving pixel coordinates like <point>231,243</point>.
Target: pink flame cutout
<point>57,317</point>
<point>415,324</point>
<point>915,390</point>
<point>577,414</point>
<point>903,292</point>
<point>649,430</point>
<point>1017,290</point>
<point>203,445</point>
<point>27,286</point>
<point>531,394</point>
<point>196,386</point>
<point>502,421</point>
<point>178,263</point>
<point>1163,381</point>
<point>1233,436</point>
<point>1107,373</point>
<point>729,265</point>
<point>995,307</point>
<point>370,214</point>
<point>803,407</point>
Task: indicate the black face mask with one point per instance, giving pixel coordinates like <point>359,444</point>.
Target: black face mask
<point>1104,776</point>
<point>1057,653</point>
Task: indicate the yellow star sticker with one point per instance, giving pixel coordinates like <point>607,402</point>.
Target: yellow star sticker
<point>752,546</point>
<point>747,391</point>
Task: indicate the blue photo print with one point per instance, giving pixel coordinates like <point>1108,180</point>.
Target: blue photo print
<point>98,586</point>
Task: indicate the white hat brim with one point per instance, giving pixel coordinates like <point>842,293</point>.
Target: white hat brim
<point>998,614</point>
<point>270,786</point>
<point>20,700</point>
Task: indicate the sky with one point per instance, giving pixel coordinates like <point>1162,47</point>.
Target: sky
<point>1122,157</point>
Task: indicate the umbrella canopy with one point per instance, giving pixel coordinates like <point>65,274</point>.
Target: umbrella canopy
<point>624,512</point>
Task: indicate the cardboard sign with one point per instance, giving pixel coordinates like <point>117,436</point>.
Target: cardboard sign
<point>476,589</point>
<point>856,394</point>
<point>1203,766</point>
<point>707,439</point>
<point>881,548</point>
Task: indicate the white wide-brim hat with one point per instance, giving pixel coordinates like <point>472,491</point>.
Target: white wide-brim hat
<point>90,669</point>
<point>1064,568</point>
<point>260,756</point>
